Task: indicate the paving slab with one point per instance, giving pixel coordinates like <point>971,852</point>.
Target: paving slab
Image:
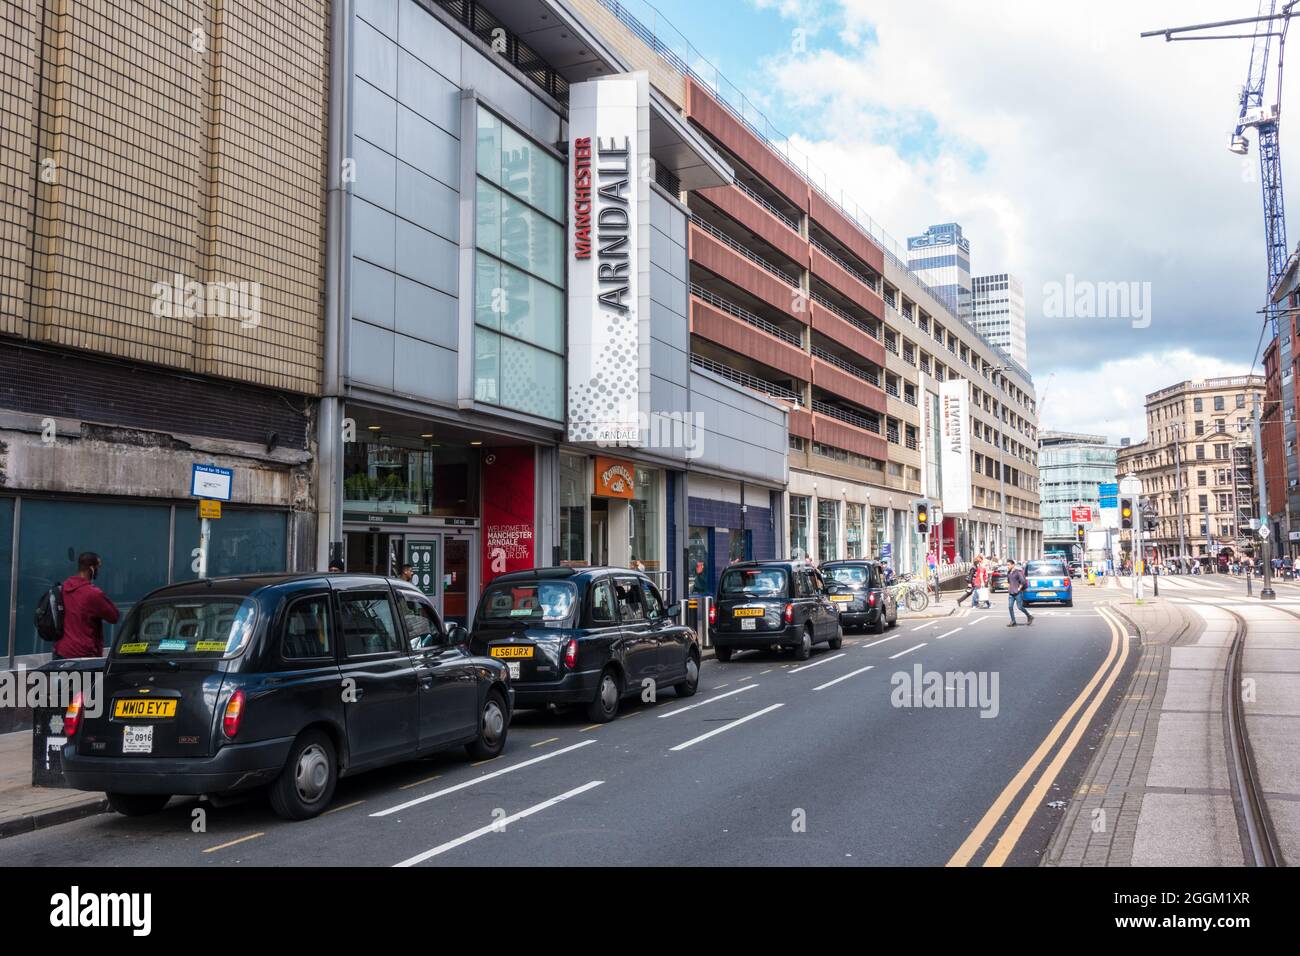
<point>1186,829</point>
<point>1189,751</point>
<point>1201,658</point>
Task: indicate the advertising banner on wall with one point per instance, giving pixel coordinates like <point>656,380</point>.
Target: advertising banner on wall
<point>508,510</point>
<point>609,257</point>
<point>954,436</point>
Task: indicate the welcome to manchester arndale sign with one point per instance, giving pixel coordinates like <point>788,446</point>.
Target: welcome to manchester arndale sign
<point>609,219</point>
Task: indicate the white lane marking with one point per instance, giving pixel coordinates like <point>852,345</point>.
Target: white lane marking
<point>881,641</point>
<point>980,621</point>
<point>949,634</point>
<point>908,651</point>
<point>928,624</point>
<point>496,826</point>
<point>845,677</point>
<point>477,780</point>
<point>804,667</point>
<point>738,690</point>
<point>725,727</point>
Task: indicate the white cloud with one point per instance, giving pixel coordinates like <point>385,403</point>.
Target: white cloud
<point>1064,144</point>
<point>1110,399</point>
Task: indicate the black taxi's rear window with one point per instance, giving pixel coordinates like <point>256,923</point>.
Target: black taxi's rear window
<point>549,602</point>
<point>752,582</point>
<point>187,627</point>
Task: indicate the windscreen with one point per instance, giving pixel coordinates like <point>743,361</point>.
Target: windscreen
<point>187,627</point>
<point>752,582</point>
<point>853,576</point>
<point>541,601</point>
<point>1045,569</point>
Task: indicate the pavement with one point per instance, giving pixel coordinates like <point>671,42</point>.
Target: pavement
<point>1158,791</point>
<point>24,808</point>
<point>894,750</point>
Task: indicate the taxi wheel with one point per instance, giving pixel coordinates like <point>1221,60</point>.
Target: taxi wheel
<point>306,785</point>
<point>492,729</point>
<point>722,653</point>
<point>804,650</point>
<point>836,642</point>
<point>1069,603</point>
<point>137,804</point>
<point>688,687</point>
<point>605,706</point>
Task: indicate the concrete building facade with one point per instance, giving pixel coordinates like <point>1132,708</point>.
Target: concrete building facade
<point>161,272</point>
<point>1196,466</point>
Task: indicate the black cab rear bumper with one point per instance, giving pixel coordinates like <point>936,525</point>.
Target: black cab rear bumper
<point>788,636</point>
<point>575,687</point>
<point>233,767</point>
<point>856,618</point>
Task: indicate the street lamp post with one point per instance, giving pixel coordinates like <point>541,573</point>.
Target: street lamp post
<point>1002,463</point>
<point>1266,593</point>
<point>1178,479</point>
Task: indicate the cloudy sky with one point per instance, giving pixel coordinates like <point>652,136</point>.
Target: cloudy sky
<point>1064,144</point>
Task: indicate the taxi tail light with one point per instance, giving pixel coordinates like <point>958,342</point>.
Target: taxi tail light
<point>571,653</point>
<point>233,715</point>
<point>789,614</point>
<point>871,599</point>
<point>713,614</point>
<point>72,716</point>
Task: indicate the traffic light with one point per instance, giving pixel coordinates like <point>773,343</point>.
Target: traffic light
<point>1078,533</point>
<point>1126,514</point>
<point>923,518</point>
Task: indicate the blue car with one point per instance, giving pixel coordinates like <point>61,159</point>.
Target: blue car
<point>1048,581</point>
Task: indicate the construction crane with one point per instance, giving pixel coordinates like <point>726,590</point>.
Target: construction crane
<point>1264,119</point>
<point>1255,113</point>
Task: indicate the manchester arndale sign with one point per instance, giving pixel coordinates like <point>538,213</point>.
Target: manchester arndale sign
<point>954,438</point>
<point>609,219</point>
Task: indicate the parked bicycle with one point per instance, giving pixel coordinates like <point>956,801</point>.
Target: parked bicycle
<point>911,593</point>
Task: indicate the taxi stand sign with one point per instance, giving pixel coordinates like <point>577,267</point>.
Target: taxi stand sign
<point>211,485</point>
<point>209,481</point>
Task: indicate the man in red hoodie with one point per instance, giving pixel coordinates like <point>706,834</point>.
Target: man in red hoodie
<point>85,608</point>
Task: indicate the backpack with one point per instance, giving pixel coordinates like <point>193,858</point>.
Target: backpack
<point>49,614</point>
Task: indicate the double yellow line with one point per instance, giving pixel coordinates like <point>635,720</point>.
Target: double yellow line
<point>1015,829</point>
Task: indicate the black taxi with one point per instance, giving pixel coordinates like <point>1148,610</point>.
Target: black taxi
<point>773,604</point>
<point>858,589</point>
<point>588,636</point>
<point>286,682</point>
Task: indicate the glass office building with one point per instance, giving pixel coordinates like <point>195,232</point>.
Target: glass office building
<point>1070,468</point>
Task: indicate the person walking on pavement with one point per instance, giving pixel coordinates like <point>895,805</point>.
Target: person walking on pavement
<point>1016,593</point>
<point>85,609</point>
<point>971,576</point>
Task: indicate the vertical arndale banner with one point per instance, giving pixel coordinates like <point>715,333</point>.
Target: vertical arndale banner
<point>609,224</point>
<point>954,437</point>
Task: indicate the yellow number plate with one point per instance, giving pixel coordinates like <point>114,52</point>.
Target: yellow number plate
<point>511,651</point>
<point>841,598</point>
<point>159,709</point>
<point>748,612</point>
